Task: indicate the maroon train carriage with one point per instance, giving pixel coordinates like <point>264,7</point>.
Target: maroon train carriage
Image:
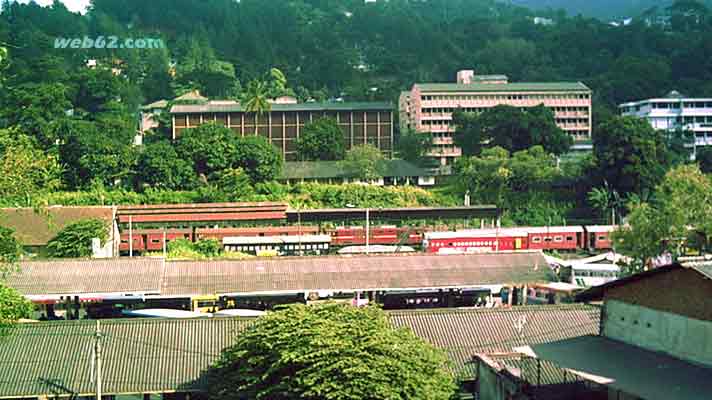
<point>476,240</point>
<point>555,237</point>
<point>598,237</point>
<point>385,235</point>
<point>152,239</point>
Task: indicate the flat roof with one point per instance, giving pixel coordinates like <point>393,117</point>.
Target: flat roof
<point>633,370</point>
<point>666,100</point>
<point>504,87</point>
<point>347,106</point>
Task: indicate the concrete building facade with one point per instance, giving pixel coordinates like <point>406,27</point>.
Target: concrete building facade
<point>428,107</point>
<point>675,112</point>
<point>361,123</point>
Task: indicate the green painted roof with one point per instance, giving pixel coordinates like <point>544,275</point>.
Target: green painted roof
<point>504,88</point>
<point>335,169</point>
<point>349,106</point>
<point>160,355</point>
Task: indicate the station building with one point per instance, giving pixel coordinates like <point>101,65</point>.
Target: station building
<point>428,107</point>
<point>361,123</point>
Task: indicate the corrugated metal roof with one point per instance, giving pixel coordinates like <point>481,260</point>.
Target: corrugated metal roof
<point>289,275</point>
<point>139,355</point>
<point>504,88</point>
<point>462,333</point>
<point>158,355</point>
<point>37,227</point>
<point>352,106</point>
<point>380,272</point>
<point>65,277</point>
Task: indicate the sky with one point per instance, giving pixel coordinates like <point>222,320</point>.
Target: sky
<point>72,5</point>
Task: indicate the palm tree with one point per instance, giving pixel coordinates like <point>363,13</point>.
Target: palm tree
<point>256,99</point>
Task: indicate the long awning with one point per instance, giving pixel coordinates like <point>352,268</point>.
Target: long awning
<point>627,368</point>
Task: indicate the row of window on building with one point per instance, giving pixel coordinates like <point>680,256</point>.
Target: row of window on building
<point>670,105</point>
<point>505,97</point>
<point>559,121</point>
<point>444,110</point>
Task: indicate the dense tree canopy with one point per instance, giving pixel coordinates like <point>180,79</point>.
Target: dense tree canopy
<point>630,155</point>
<point>159,166</point>
<point>414,147</point>
<point>678,217</point>
<point>330,351</point>
<point>10,249</point>
<point>321,140</point>
<point>364,162</point>
<point>511,128</point>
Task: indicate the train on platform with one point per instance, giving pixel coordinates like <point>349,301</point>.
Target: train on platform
<point>312,240</point>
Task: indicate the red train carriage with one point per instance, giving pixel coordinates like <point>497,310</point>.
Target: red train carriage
<point>598,237</point>
<point>555,237</point>
<point>221,233</point>
<point>476,240</point>
<point>356,235</point>
<point>152,239</point>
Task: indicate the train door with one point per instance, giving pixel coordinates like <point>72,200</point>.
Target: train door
<point>517,243</point>
<point>205,304</point>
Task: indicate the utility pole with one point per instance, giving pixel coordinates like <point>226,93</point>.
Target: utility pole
<point>130,237</point>
<point>368,228</point>
<point>97,356</point>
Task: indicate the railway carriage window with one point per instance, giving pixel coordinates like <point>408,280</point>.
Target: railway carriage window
<point>559,239</point>
<point>602,238</point>
<point>569,238</point>
<point>536,239</point>
<point>547,239</point>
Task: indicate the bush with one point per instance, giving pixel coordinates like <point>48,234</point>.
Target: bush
<point>74,241</point>
<point>330,351</point>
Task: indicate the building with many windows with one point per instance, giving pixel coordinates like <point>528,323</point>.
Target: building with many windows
<point>361,123</point>
<point>673,112</point>
<point>428,107</point>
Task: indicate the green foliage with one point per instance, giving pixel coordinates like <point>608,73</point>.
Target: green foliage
<point>208,247</point>
<point>98,151</point>
<point>630,155</point>
<point>259,158</point>
<point>236,183</point>
<point>214,148</point>
<point>13,306</point>
<point>511,128</point>
<point>321,140</point>
<point>75,240</point>
<point>414,147</point>
<point>678,217</point>
<point>182,249</point>
<point>330,351</point>
<point>160,166</point>
<point>364,162</point>
<point>10,250</point>
<point>704,158</point>
<point>26,171</point>
<point>255,99</point>
<point>211,147</point>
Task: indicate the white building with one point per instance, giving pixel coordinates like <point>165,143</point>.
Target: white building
<point>673,112</point>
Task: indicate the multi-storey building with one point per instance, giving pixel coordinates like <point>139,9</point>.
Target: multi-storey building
<point>675,112</point>
<point>361,123</point>
<point>428,107</point>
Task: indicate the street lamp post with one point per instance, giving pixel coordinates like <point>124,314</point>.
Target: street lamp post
<point>368,229</point>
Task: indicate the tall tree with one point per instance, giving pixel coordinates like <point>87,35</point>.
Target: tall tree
<point>255,99</point>
<point>26,171</point>
<point>414,147</point>
<point>342,352</point>
<point>75,239</point>
<point>630,155</point>
<point>364,162</point>
<point>321,140</point>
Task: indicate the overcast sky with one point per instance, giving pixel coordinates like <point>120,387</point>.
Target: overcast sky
<point>72,5</point>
